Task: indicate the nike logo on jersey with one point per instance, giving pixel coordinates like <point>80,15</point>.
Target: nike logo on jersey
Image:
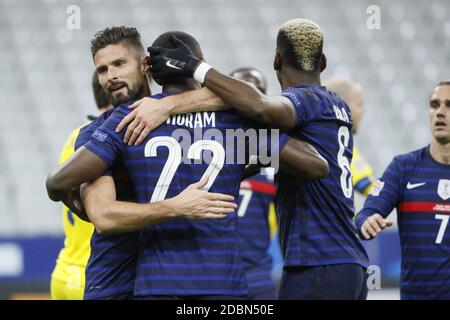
<point>414,185</point>
<point>170,65</point>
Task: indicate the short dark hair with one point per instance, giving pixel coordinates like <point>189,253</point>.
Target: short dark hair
<point>115,35</point>
<point>102,97</point>
<point>443,83</point>
<point>254,75</point>
<point>164,41</point>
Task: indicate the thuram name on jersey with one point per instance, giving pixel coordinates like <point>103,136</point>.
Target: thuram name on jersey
<point>193,120</point>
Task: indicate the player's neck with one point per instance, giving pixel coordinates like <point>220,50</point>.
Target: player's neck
<point>147,92</point>
<point>104,109</point>
<point>181,86</point>
<point>291,77</point>
<point>440,152</point>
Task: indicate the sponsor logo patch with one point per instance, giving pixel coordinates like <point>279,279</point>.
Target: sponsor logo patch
<point>377,187</point>
<point>99,135</point>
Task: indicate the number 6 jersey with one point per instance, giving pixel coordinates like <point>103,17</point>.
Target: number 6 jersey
<point>316,216</point>
<point>180,256</point>
<point>419,187</point>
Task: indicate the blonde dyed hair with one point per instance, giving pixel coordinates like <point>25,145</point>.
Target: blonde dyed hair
<point>306,38</point>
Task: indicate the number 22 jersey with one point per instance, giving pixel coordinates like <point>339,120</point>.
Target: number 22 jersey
<point>181,256</point>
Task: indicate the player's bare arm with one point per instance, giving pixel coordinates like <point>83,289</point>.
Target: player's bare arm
<point>302,160</point>
<point>109,215</point>
<point>149,113</point>
<point>82,166</point>
<point>298,158</point>
<point>276,111</point>
<point>72,200</point>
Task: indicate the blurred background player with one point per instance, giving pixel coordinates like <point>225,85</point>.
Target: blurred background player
<point>68,277</point>
<point>352,93</point>
<point>257,222</point>
<point>418,185</point>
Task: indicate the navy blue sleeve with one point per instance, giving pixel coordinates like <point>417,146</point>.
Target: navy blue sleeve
<point>104,141</point>
<point>85,134</point>
<point>385,195</point>
<point>293,95</point>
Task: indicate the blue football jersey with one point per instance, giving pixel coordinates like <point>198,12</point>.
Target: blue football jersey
<point>419,188</point>
<point>255,196</point>
<point>111,266</point>
<point>316,216</point>
<point>181,256</point>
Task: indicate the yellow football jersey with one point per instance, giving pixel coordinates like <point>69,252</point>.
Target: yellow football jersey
<point>362,173</point>
<point>273,222</point>
<point>68,277</point>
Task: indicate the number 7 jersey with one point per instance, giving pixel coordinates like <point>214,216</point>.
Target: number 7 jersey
<point>181,256</point>
<point>316,216</point>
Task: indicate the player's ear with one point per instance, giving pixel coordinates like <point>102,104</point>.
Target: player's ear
<point>145,65</point>
<point>323,62</point>
<point>277,61</point>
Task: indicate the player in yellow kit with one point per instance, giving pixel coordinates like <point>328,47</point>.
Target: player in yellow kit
<point>363,179</point>
<point>68,277</point>
<point>352,93</point>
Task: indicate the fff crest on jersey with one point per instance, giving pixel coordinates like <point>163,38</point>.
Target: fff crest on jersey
<point>444,189</point>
